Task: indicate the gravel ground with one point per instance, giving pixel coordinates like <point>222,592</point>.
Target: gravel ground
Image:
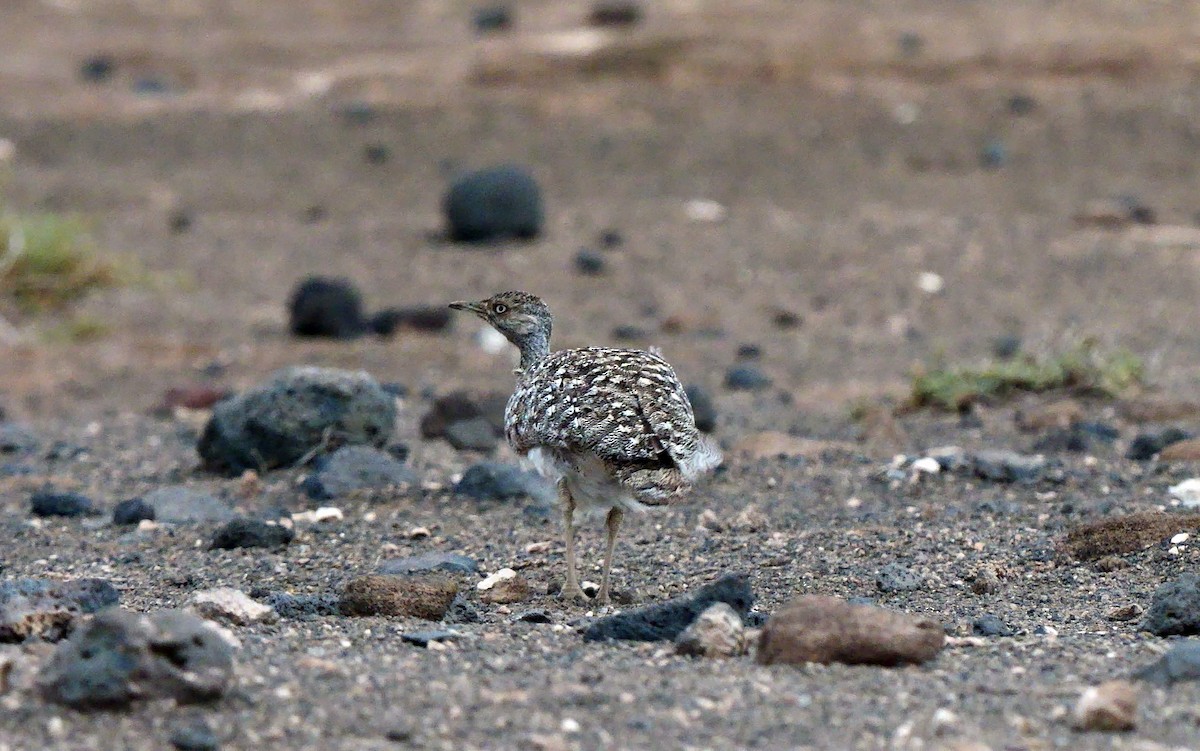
<point>840,189</point>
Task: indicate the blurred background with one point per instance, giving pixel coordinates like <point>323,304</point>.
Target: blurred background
<point>832,194</point>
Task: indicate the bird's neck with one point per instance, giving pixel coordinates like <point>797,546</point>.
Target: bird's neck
<point>534,348</point>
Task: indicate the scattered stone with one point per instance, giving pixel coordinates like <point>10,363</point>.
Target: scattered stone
<point>1109,707</point>
<point>44,609</point>
<point>589,263</point>
<point>492,580</point>
<point>179,221</point>
<point>132,511</point>
<point>1066,440</point>
<point>896,578</point>
<point>461,610</point>
<point>352,468</point>
<point>950,458</point>
<point>926,465</point>
<point>461,406</point>
<point>302,606</point>
<point>508,591</point>
<point>377,153</point>
<point>1187,450</point>
<point>251,533</point>
<point>1175,608</point>
<point>429,319</point>
<point>705,210</point>
<point>816,628</point>
<point>178,504</point>
<point>325,307</point>
<point>702,407</point>
<point>97,68</point>
<point>1126,534</point>
<point>615,13</point>
<point>298,412</point>
<point>1146,445</point>
<point>750,519</point>
<point>497,203</point>
<point>986,581</point>
<point>318,515</point>
<point>426,562</point>
<point>427,597</point>
<point>493,481</point>
<point>746,378</point>
<point>1115,213</point>
<point>18,439</point>
<point>121,656</point>
<point>533,616</point>
<point>993,155</point>
<point>610,239</point>
<point>1180,663</point>
<point>666,620</point>
<point>47,503</point>
<point>194,735</point>
<point>1188,492</point>
<point>476,434</point>
<point>991,625</point>
<point>423,638</point>
<point>630,333</point>
<point>492,18</point>
<point>1006,346</point>
<point>1126,612</point>
<point>717,632</point>
<point>231,606</point>
<point>1008,466</point>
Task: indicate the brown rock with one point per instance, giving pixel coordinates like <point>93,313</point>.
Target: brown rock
<point>772,444</point>
<point>1126,534</point>
<point>717,632</point>
<point>1127,612</point>
<point>1157,410</point>
<point>425,597</point>
<point>816,628</point>
<point>1109,707</point>
<point>1187,450</point>
<point>1060,414</point>
<point>986,581</point>
<point>507,591</point>
<point>191,397</point>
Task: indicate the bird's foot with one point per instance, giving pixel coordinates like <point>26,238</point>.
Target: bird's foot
<point>575,594</point>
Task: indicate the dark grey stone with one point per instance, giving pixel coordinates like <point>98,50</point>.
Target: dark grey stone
<point>746,378</point>
<point>461,610</point>
<point>493,481</point>
<point>1175,608</point>
<point>896,578</point>
<point>425,318</point>
<point>251,533</point>
<point>353,468</point>
<point>194,735</point>
<point>46,503</point>
<point>297,412</point>
<point>497,203</point>
<point>1006,346</point>
<point>176,504</point>
<point>664,621</point>
<point>97,68</point>
<point>533,616</point>
<point>45,609</point>
<point>1146,445</point>
<point>121,656</point>
<point>615,13</point>
<point>702,407</point>
<point>452,562</point>
<point>132,511</point>
<point>1008,466</point>
<point>18,439</point>
<point>492,18</point>
<point>589,263</point>
<point>991,625</point>
<point>460,405</point>
<point>475,434</point>
<point>323,307</point>
<point>301,607</point>
<point>1181,663</point>
<point>422,638</point>
<point>630,333</point>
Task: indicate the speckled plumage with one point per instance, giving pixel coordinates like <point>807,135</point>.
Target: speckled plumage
<point>613,427</point>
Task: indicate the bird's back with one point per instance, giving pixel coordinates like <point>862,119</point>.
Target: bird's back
<point>623,406</point>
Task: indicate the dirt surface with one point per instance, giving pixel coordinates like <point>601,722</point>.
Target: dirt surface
<point>849,159</point>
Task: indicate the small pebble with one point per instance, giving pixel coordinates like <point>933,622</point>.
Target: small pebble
<point>194,736</point>
<point>746,378</point>
<point>589,262</point>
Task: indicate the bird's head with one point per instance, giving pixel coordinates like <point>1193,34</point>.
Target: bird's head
<point>520,316</point>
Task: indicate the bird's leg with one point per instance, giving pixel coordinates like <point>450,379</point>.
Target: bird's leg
<point>613,523</point>
<point>571,590</point>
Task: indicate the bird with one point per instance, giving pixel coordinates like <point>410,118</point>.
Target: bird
<point>612,428</point>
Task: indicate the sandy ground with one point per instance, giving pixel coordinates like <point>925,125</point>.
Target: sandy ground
<point>849,159</point>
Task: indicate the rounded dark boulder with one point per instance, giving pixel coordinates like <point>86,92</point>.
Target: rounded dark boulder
<point>299,412</point>
<point>496,203</point>
<point>325,307</point>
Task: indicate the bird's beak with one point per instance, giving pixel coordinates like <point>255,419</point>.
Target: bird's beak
<point>474,307</point>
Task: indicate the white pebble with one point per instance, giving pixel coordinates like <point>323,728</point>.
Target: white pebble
<point>491,581</point>
<point>703,210</point>
<point>322,514</point>
<point>1180,538</point>
<point>930,283</point>
<point>571,725</point>
<point>1188,492</point>
<point>927,465</point>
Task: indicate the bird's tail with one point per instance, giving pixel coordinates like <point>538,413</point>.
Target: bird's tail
<point>705,459</point>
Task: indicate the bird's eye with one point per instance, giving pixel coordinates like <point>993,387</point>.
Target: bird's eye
<point>499,308</point>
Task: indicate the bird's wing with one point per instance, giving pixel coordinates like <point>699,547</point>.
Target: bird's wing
<point>623,405</point>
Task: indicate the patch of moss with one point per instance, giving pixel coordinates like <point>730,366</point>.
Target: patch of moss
<point>1083,369</point>
<point>49,260</point>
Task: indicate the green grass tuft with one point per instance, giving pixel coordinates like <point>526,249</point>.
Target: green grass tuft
<point>49,260</point>
<point>1082,369</point>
